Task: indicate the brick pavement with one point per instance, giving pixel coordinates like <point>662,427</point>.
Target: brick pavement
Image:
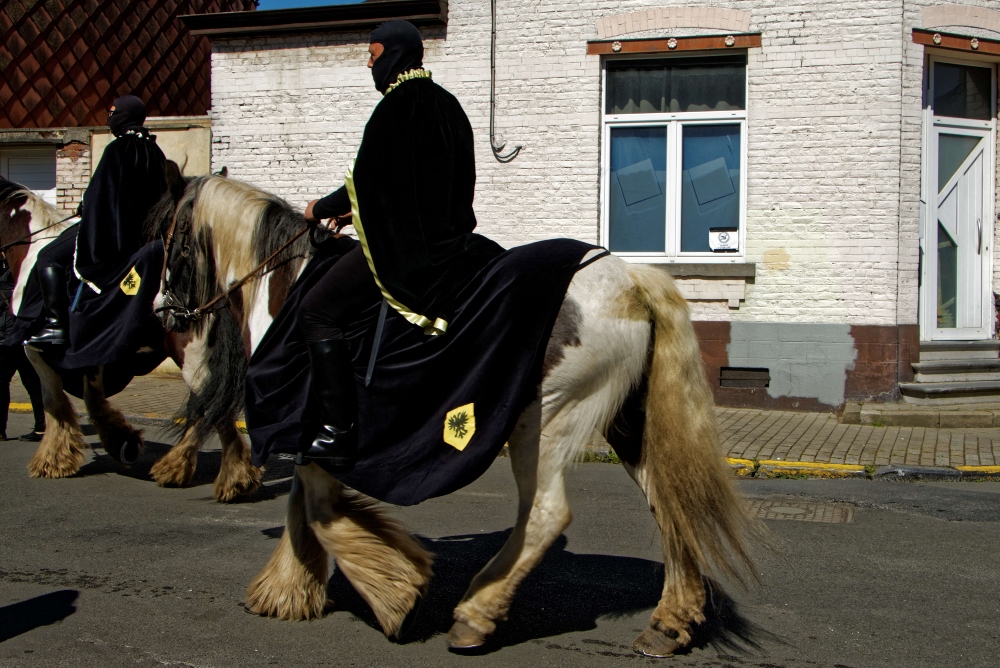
<point>748,434</point>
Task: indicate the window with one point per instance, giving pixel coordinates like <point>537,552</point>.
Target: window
<point>674,156</point>
<point>32,167</point>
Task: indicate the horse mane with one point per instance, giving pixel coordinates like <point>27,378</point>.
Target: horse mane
<point>234,227</point>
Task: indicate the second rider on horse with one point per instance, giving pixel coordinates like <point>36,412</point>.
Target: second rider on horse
<point>128,181</point>
<point>410,195</point>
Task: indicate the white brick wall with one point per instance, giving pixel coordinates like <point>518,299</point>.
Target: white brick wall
<point>72,175</point>
<point>834,135</point>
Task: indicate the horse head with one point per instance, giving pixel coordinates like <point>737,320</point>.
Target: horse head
<point>27,224</point>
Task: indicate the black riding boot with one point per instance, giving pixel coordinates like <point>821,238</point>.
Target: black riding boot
<point>52,281</point>
<point>335,446</point>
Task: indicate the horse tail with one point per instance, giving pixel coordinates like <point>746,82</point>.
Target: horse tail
<point>703,521</point>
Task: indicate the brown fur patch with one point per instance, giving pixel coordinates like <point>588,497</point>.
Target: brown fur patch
<point>281,282</point>
<point>565,334</point>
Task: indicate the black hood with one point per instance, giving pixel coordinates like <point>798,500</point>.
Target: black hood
<point>404,50</point>
<point>129,114</point>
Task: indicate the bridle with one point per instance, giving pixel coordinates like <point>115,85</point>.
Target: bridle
<point>181,312</point>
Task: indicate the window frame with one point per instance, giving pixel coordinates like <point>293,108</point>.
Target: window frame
<point>674,123</point>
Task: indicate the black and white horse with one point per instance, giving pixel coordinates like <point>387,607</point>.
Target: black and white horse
<point>27,224</point>
<point>622,328</point>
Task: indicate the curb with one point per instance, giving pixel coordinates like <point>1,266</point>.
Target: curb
<point>914,415</point>
<point>747,468</point>
<point>144,419</point>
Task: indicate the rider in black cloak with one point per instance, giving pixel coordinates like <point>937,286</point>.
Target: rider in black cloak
<point>410,194</point>
<point>128,181</point>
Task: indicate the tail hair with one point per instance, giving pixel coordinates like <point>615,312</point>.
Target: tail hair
<point>702,518</point>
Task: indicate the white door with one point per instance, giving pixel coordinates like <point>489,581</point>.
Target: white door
<point>959,167</point>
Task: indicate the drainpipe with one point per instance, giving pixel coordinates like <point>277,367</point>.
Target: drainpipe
<point>497,148</point>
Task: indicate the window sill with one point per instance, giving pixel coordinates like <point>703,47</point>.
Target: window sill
<point>747,270</point>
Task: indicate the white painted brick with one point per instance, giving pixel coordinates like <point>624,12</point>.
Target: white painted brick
<point>834,123</point>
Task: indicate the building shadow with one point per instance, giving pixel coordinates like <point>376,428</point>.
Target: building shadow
<point>567,592</point>
<point>43,610</point>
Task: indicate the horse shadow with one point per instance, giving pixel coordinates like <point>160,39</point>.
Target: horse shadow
<point>102,463</point>
<point>566,592</point>
<point>43,610</point>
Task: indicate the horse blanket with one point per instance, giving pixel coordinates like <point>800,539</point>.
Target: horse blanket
<point>115,329</point>
<point>437,409</point>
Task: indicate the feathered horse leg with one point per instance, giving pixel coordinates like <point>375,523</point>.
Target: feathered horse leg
<point>384,563</point>
<point>60,454</point>
<point>120,440</point>
<point>237,476</point>
<point>176,468</point>
<point>542,515</point>
<point>293,584</point>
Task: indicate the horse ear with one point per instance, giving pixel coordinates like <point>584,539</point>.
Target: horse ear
<point>224,172</point>
<point>174,178</point>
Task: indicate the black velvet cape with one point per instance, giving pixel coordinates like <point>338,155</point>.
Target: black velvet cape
<point>468,385</point>
<point>414,181</point>
<point>116,329</point>
<point>128,181</point>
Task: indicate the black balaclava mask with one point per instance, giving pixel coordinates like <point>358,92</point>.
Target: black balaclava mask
<point>129,114</point>
<point>404,50</point>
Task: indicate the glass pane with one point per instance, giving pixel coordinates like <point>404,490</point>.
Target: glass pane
<point>676,85</point>
<point>710,184</point>
<point>952,152</point>
<point>961,91</point>
<point>947,287</point>
<point>637,190</point>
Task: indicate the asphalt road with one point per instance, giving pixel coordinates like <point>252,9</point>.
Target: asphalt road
<point>106,569</point>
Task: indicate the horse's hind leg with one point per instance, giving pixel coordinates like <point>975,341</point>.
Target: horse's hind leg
<point>237,475</point>
<point>293,584</point>
<point>382,561</point>
<point>120,439</point>
<point>60,453</point>
<point>542,515</point>
<point>176,468</point>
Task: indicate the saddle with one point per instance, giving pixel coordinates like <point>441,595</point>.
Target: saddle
<point>433,411</point>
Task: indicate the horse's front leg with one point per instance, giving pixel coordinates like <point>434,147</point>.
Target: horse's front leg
<point>293,584</point>
<point>60,454</point>
<point>379,557</point>
<point>237,475</point>
<point>121,440</point>
<point>543,513</point>
<point>176,468</point>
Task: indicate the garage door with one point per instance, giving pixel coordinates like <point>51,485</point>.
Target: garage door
<point>34,168</point>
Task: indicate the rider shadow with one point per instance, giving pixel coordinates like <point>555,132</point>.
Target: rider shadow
<point>43,610</point>
<point>566,592</point>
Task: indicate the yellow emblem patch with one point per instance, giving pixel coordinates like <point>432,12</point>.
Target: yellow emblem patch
<point>130,284</point>
<point>459,426</point>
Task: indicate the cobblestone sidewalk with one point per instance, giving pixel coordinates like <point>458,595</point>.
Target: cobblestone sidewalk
<point>747,434</point>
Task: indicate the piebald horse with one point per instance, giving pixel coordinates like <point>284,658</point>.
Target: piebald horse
<point>27,224</point>
<point>622,346</point>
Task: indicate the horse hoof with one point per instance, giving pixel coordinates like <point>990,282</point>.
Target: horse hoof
<point>129,454</point>
<point>462,636</point>
<point>655,644</point>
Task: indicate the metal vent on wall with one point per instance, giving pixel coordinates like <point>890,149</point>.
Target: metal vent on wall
<point>733,376</point>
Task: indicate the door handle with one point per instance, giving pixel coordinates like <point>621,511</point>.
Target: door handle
<point>979,224</point>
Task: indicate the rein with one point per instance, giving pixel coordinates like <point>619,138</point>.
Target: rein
<point>26,239</point>
<point>212,305</point>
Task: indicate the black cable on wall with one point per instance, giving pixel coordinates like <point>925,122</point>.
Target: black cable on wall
<point>497,148</point>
